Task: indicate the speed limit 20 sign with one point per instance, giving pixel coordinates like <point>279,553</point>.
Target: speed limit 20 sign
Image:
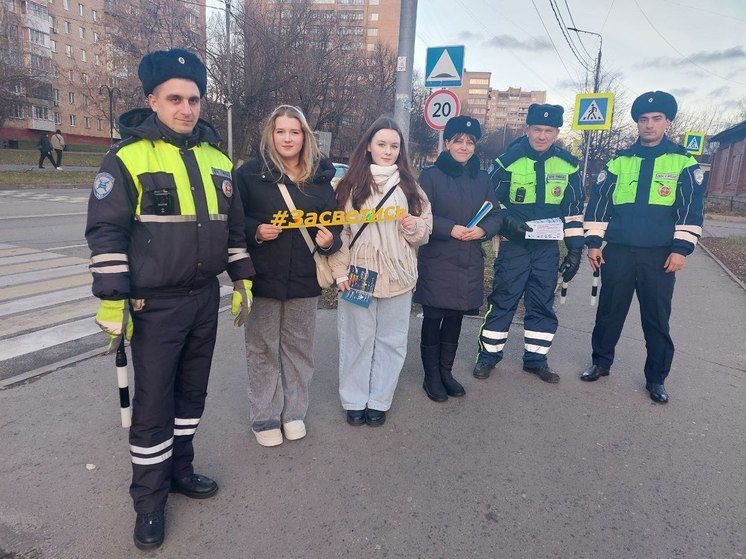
<point>441,107</point>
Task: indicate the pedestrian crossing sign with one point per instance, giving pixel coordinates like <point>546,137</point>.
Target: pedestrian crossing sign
<point>593,111</point>
<point>694,142</point>
<point>444,66</point>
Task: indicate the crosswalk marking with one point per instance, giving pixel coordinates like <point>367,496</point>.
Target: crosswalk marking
<point>44,300</point>
<point>42,286</point>
<point>28,195</point>
<point>53,314</point>
<point>51,273</point>
<point>40,265</point>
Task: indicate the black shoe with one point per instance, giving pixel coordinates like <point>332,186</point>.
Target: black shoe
<point>452,386</point>
<point>544,372</point>
<point>356,417</point>
<point>657,392</point>
<point>194,486</point>
<point>482,370</point>
<point>432,385</point>
<point>594,373</point>
<point>149,529</point>
<point>375,418</point>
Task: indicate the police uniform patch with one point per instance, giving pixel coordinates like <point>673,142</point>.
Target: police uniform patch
<point>699,176</point>
<point>491,168</point>
<point>227,187</point>
<point>601,177</point>
<point>102,185</point>
<point>664,191</point>
<point>556,191</point>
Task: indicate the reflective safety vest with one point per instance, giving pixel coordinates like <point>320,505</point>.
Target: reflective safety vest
<point>168,196</point>
<point>666,172</point>
<point>557,172</point>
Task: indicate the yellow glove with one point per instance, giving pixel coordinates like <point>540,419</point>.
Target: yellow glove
<point>113,317</point>
<point>241,302</point>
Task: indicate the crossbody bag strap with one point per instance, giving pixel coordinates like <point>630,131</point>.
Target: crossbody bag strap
<point>291,207</point>
<point>378,207</point>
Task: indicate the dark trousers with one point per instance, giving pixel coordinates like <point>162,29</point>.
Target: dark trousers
<point>46,155</point>
<point>172,346</point>
<point>59,157</point>
<point>528,271</point>
<point>628,270</point>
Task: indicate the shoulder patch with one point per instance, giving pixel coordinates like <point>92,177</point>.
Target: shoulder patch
<point>102,185</point>
<point>699,176</point>
<point>601,176</point>
<point>491,169</point>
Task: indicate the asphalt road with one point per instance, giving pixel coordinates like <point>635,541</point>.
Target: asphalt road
<point>516,468</point>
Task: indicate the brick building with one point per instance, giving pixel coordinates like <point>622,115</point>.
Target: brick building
<point>371,21</point>
<point>728,172</point>
<point>508,109</point>
<point>474,95</point>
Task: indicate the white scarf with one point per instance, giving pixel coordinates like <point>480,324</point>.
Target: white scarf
<point>382,245</point>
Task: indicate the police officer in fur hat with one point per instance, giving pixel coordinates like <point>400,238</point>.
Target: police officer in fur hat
<point>534,179</point>
<point>163,222</point>
<point>647,204</point>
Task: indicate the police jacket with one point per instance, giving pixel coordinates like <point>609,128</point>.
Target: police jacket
<point>285,268</point>
<point>163,217</point>
<point>451,272</point>
<point>647,197</point>
<point>534,185</point>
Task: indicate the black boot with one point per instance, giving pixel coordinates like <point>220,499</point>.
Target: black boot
<point>149,529</point>
<point>447,357</point>
<point>432,384</point>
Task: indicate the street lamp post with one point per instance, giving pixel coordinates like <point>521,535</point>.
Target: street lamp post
<point>111,91</point>
<point>596,86</point>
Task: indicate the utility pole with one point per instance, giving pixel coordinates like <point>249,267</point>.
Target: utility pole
<point>404,65</point>
<point>228,77</point>
<point>596,86</point>
<point>111,91</point>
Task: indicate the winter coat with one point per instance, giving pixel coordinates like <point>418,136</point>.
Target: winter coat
<point>58,142</point>
<point>285,268</point>
<point>451,272</point>
<point>44,144</point>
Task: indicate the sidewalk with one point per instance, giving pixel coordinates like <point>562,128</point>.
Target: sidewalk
<point>517,468</point>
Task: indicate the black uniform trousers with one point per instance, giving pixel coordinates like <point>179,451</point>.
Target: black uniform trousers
<point>527,270</point>
<point>628,270</point>
<point>172,347</point>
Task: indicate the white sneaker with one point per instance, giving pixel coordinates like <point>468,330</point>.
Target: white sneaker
<point>59,168</point>
<point>270,437</point>
<point>294,430</point>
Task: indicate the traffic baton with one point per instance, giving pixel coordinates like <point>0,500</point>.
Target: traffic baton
<point>123,383</point>
<point>563,292</point>
<point>594,286</point>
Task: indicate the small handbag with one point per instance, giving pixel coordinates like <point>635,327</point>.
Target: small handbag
<point>324,275</point>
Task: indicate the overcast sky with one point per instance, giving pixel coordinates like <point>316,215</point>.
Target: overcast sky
<point>693,49</point>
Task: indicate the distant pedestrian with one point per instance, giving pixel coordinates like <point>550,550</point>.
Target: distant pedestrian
<point>648,206</point>
<point>373,338</point>
<point>451,265</point>
<point>45,150</point>
<point>58,145</point>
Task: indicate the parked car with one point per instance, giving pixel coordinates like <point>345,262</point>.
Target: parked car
<point>341,170</point>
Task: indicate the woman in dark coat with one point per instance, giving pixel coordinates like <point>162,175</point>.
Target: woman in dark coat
<point>280,329</point>
<point>451,265</point>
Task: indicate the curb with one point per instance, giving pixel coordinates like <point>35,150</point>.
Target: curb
<point>723,266</point>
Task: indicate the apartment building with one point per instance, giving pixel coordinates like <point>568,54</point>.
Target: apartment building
<point>474,95</point>
<point>76,53</point>
<point>508,109</point>
<point>367,22</point>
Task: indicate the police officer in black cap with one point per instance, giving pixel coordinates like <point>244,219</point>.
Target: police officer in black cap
<point>163,222</point>
<point>647,205</point>
<point>450,281</point>
<point>534,179</point>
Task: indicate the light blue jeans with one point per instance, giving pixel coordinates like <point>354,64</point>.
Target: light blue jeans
<point>372,348</point>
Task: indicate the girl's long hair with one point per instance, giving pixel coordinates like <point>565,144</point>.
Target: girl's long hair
<point>357,184</point>
<point>309,155</point>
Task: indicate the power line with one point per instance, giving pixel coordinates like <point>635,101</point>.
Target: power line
<point>552,41</point>
<point>683,56</point>
<point>608,13</point>
<point>572,20</point>
<point>568,40</point>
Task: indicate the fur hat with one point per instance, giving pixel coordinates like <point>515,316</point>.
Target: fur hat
<point>462,124</point>
<point>546,115</point>
<point>162,65</point>
<point>655,102</point>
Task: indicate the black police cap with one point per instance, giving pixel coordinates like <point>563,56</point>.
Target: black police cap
<point>462,124</point>
<point>162,65</point>
<point>654,102</point>
<point>546,115</point>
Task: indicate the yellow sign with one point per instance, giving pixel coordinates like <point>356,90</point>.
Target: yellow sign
<point>694,142</point>
<point>593,111</point>
<point>298,218</point>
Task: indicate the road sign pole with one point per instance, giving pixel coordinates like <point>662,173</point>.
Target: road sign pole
<point>585,159</point>
<point>440,141</point>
